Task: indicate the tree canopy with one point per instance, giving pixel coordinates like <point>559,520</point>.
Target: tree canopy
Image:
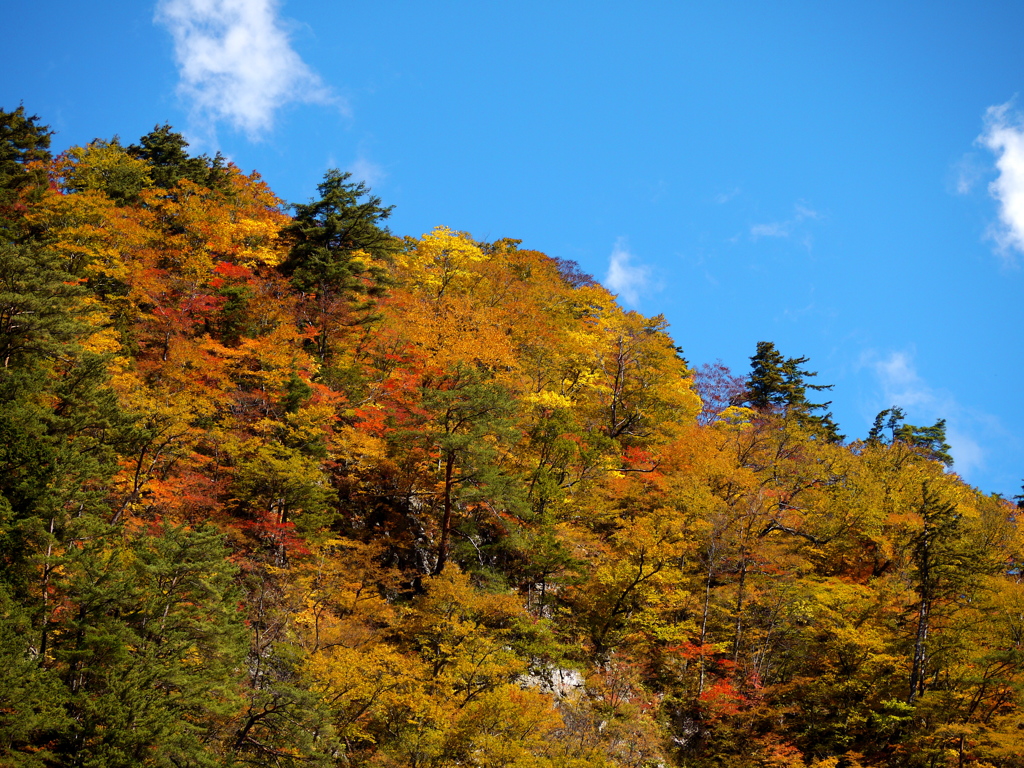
<point>288,490</point>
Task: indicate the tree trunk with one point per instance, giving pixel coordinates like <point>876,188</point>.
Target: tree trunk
<point>704,620</point>
<point>917,670</point>
<point>739,607</point>
<point>446,519</point>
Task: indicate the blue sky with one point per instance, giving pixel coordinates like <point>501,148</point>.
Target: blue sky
<point>846,180</point>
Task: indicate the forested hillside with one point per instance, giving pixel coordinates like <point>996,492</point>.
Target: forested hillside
<point>281,488</point>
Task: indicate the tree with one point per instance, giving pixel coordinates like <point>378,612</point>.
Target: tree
<point>936,559</point>
<point>930,442</point>
<point>455,440</point>
<point>718,390</point>
<point>32,698</point>
<point>338,254</point>
<point>648,392</point>
<point>328,234</point>
<point>454,697</point>
<point>24,150</point>
<point>889,419</point>
<point>39,303</point>
<point>108,167</point>
<point>150,648</point>
<point>779,384</point>
<point>164,149</point>
<point>57,411</point>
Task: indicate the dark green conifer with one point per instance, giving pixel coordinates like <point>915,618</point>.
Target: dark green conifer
<point>779,385</point>
<point>165,150</point>
<point>24,147</point>
<point>326,233</point>
<point>152,653</point>
<point>38,303</point>
<point>337,285</point>
<point>889,419</point>
<point>928,441</point>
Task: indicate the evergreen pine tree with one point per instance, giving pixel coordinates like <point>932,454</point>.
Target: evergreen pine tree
<point>928,441</point>
<point>889,419</point>
<point>327,233</point>
<point>38,303</point>
<point>331,240</point>
<point>779,385</point>
<point>24,148</point>
<point>165,150</point>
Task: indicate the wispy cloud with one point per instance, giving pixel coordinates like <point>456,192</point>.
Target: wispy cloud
<point>773,229</point>
<point>801,213</point>
<point>724,197</point>
<point>365,170</point>
<point>1004,136</point>
<point>625,278</point>
<point>236,63</point>
<point>900,384</point>
<point>965,174</point>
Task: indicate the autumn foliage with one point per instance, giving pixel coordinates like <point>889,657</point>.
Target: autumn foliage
<point>289,490</point>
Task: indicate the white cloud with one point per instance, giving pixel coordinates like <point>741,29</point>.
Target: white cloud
<point>724,197</point>
<point>773,229</point>
<point>902,386</point>
<point>365,170</point>
<point>965,450</point>
<point>236,62</point>
<point>624,278</point>
<point>1004,136</point>
<point>965,174</point>
<point>801,213</point>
